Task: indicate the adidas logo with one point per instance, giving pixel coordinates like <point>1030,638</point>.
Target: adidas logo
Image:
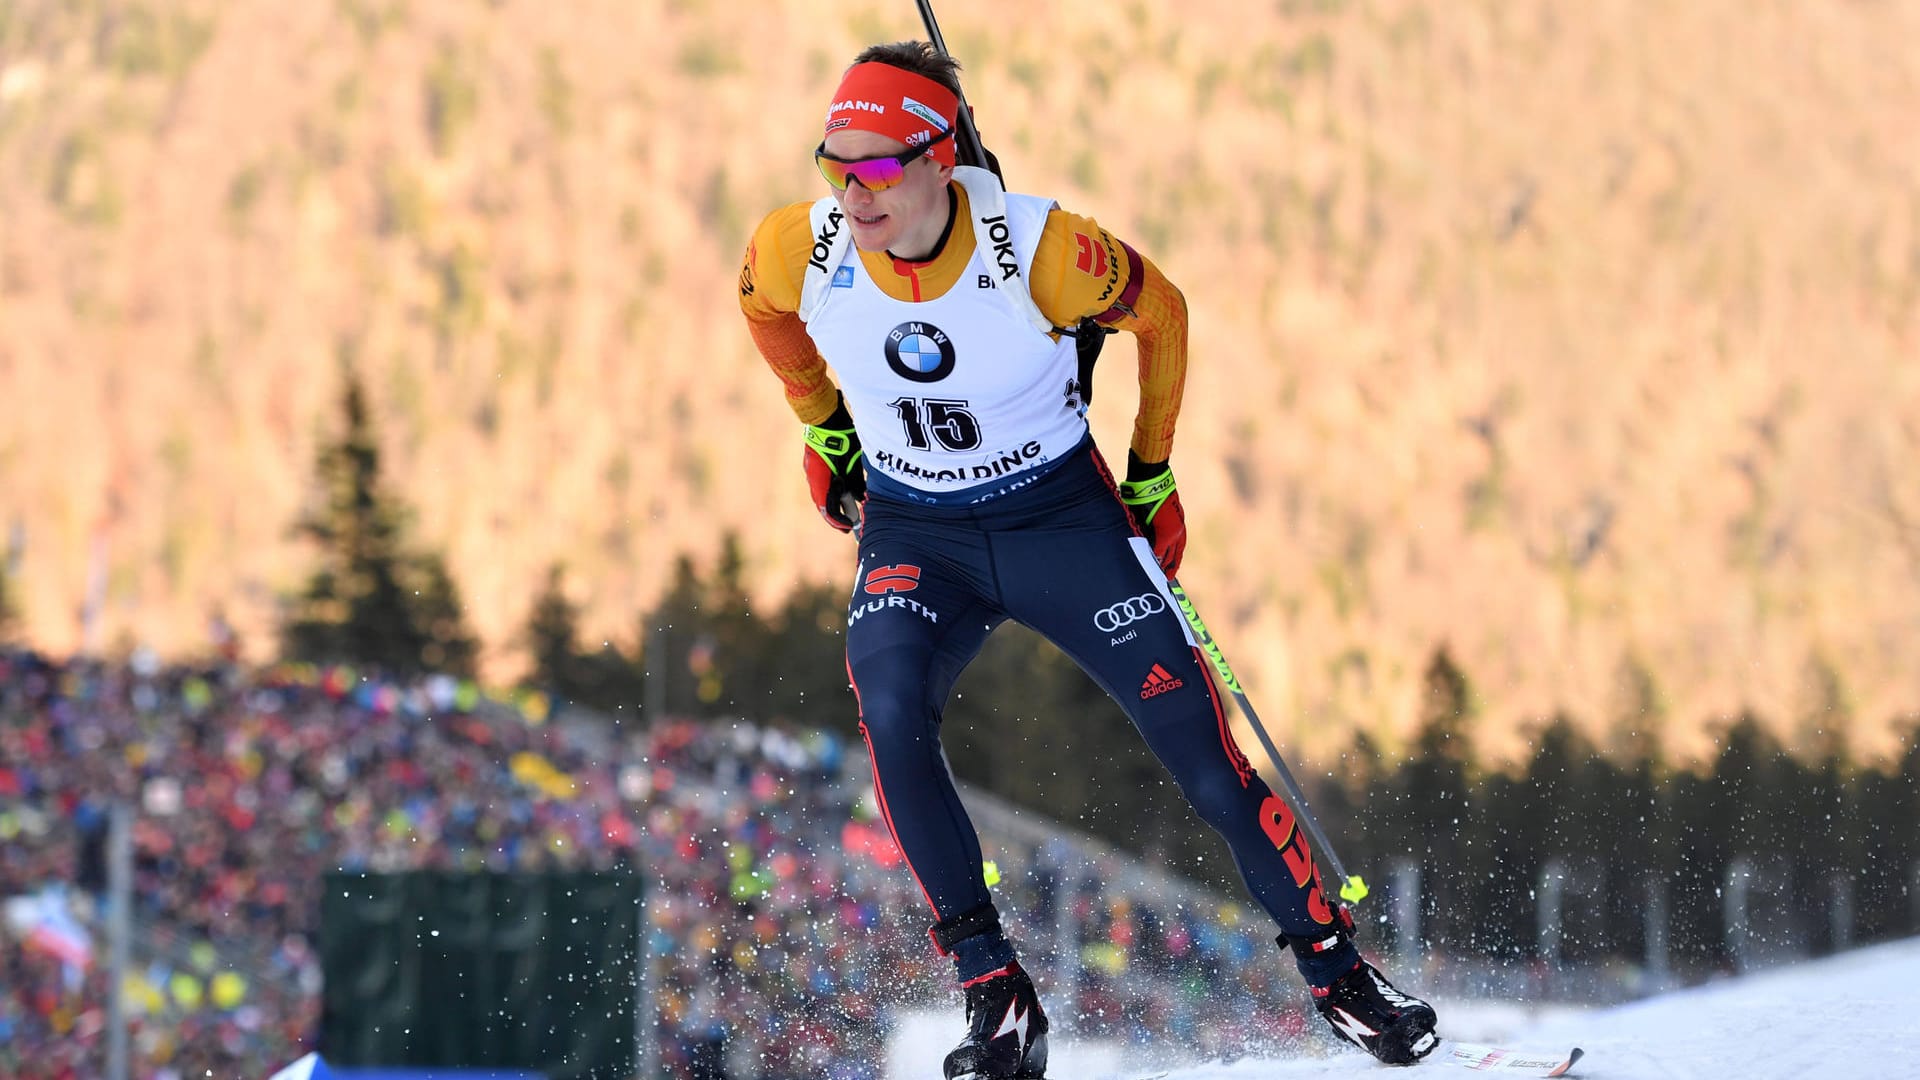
<point>1158,682</point>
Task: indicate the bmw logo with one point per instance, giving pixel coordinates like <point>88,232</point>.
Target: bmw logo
<point>920,352</point>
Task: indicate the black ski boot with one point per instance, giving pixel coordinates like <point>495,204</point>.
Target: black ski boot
<point>1006,1030</point>
<point>1364,1008</point>
<point>1368,1012</point>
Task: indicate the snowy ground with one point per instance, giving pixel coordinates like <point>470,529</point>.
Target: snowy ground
<point>1853,1015</point>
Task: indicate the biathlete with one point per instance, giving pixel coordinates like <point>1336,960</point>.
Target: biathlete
<point>946,308</point>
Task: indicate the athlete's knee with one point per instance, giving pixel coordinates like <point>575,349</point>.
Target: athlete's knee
<point>895,716</point>
<point>1219,796</point>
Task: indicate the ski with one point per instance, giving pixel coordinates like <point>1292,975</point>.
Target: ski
<point>1481,1058</point>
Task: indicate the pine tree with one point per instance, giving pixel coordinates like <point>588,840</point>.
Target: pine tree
<point>706,643</point>
<point>436,611</point>
<point>1891,807</point>
<point>672,646</point>
<point>1825,723</point>
<point>1641,851</point>
<point>1342,795</point>
<point>1733,813</point>
<point>1436,804</point>
<point>1640,847</point>
<point>1571,794</point>
<point>807,660</point>
<point>1695,871</point>
<point>604,678</point>
<point>1827,849</point>
<point>738,636</point>
<point>1753,816</point>
<point>1502,873</point>
<point>552,635</point>
<point>373,600</point>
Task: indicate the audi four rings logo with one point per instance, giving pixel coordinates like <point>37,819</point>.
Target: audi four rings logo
<point>1130,610</point>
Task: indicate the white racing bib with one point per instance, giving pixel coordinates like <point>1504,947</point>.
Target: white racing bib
<point>963,391</point>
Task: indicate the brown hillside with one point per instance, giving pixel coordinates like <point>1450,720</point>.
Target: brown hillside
<point>1585,338</point>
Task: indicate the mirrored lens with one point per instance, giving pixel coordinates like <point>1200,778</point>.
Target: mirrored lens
<point>875,174</point>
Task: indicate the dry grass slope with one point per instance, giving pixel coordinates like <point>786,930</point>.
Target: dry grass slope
<point>1585,338</point>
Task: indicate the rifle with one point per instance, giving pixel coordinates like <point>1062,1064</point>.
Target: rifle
<point>1088,336</point>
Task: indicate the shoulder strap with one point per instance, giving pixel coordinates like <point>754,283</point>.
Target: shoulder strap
<point>996,238</point>
<point>831,242</point>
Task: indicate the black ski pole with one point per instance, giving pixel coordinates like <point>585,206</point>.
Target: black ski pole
<point>1352,888</point>
<point>967,141</point>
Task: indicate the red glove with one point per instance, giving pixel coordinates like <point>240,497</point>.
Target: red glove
<point>1151,497</point>
<point>835,469</point>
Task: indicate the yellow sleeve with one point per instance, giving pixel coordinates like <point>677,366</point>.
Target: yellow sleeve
<point>1081,270</point>
<point>770,277</point>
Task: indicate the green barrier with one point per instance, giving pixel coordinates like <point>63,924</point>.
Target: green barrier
<point>534,972</point>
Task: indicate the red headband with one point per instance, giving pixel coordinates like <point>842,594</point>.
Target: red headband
<point>896,103</point>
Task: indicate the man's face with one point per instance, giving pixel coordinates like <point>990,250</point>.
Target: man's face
<point>900,217</point>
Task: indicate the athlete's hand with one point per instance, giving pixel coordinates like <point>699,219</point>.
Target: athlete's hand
<point>835,466</point>
<point>1151,497</point>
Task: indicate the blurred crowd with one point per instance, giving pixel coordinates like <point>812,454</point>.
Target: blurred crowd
<point>785,933</point>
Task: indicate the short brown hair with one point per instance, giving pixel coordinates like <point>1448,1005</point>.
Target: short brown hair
<point>919,57</point>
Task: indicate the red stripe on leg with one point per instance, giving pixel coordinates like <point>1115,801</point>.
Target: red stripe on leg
<point>886,815</point>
